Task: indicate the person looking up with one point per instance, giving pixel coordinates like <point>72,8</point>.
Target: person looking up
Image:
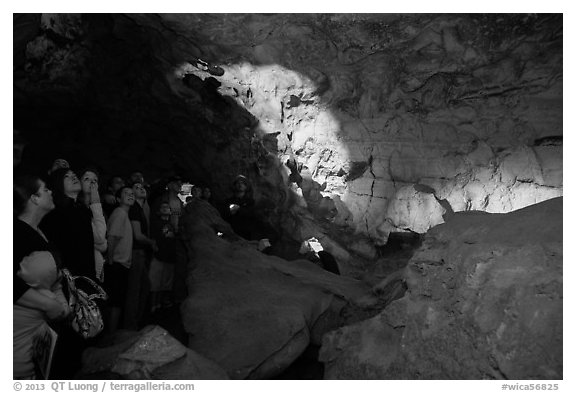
<point>142,248</point>
<point>58,163</point>
<point>117,267</point>
<point>69,225</point>
<point>109,201</point>
<point>69,228</point>
<point>91,199</point>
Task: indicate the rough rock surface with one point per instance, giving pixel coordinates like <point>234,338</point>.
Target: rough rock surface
<point>367,105</point>
<point>251,313</point>
<point>484,301</point>
<point>149,354</point>
<point>372,104</point>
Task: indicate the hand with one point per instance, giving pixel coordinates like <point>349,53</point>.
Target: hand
<point>94,196</point>
<point>234,208</point>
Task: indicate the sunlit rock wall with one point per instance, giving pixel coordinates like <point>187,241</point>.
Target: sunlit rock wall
<point>468,107</point>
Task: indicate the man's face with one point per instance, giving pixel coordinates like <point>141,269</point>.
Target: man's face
<point>126,197</point>
<point>137,177</point>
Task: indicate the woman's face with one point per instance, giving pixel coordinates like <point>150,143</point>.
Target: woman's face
<point>43,197</point>
<point>89,178</point>
<point>71,183</point>
<point>139,191</point>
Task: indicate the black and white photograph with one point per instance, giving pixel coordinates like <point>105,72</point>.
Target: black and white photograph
<point>234,195</point>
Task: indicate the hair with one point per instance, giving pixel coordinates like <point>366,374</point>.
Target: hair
<point>24,187</point>
<point>56,184</point>
<point>92,169</point>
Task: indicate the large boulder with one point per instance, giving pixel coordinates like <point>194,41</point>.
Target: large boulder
<point>251,313</point>
<point>484,301</point>
<point>151,353</point>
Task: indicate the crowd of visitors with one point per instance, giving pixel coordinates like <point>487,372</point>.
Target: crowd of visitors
<point>124,237</point>
<point>116,236</point>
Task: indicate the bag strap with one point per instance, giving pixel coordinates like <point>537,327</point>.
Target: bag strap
<point>101,294</point>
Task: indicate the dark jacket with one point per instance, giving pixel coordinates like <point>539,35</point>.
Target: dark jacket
<point>26,241</point>
<point>69,228</point>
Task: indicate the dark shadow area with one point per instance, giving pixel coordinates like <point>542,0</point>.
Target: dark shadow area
<point>170,319</point>
<point>306,367</point>
<point>401,245</point>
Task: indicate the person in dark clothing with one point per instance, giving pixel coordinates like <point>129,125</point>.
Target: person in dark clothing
<point>138,286</point>
<point>241,210</point>
<point>109,202</point>
<point>69,228</point>
<point>38,295</point>
<point>29,238</point>
<point>69,225</point>
<point>162,264</point>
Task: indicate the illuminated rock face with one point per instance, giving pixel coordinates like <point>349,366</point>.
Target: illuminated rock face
<point>467,107</point>
<point>372,105</point>
<point>484,301</point>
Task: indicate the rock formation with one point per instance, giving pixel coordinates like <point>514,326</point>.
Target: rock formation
<point>367,106</point>
<point>484,301</point>
<point>352,128</point>
<point>148,354</point>
<point>254,314</point>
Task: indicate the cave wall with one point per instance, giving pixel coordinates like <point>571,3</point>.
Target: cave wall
<point>393,121</point>
<point>397,114</point>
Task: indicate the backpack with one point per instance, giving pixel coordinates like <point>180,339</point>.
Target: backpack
<point>85,316</point>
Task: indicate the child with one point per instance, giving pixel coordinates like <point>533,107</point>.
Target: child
<point>38,270</point>
<point>162,265</point>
